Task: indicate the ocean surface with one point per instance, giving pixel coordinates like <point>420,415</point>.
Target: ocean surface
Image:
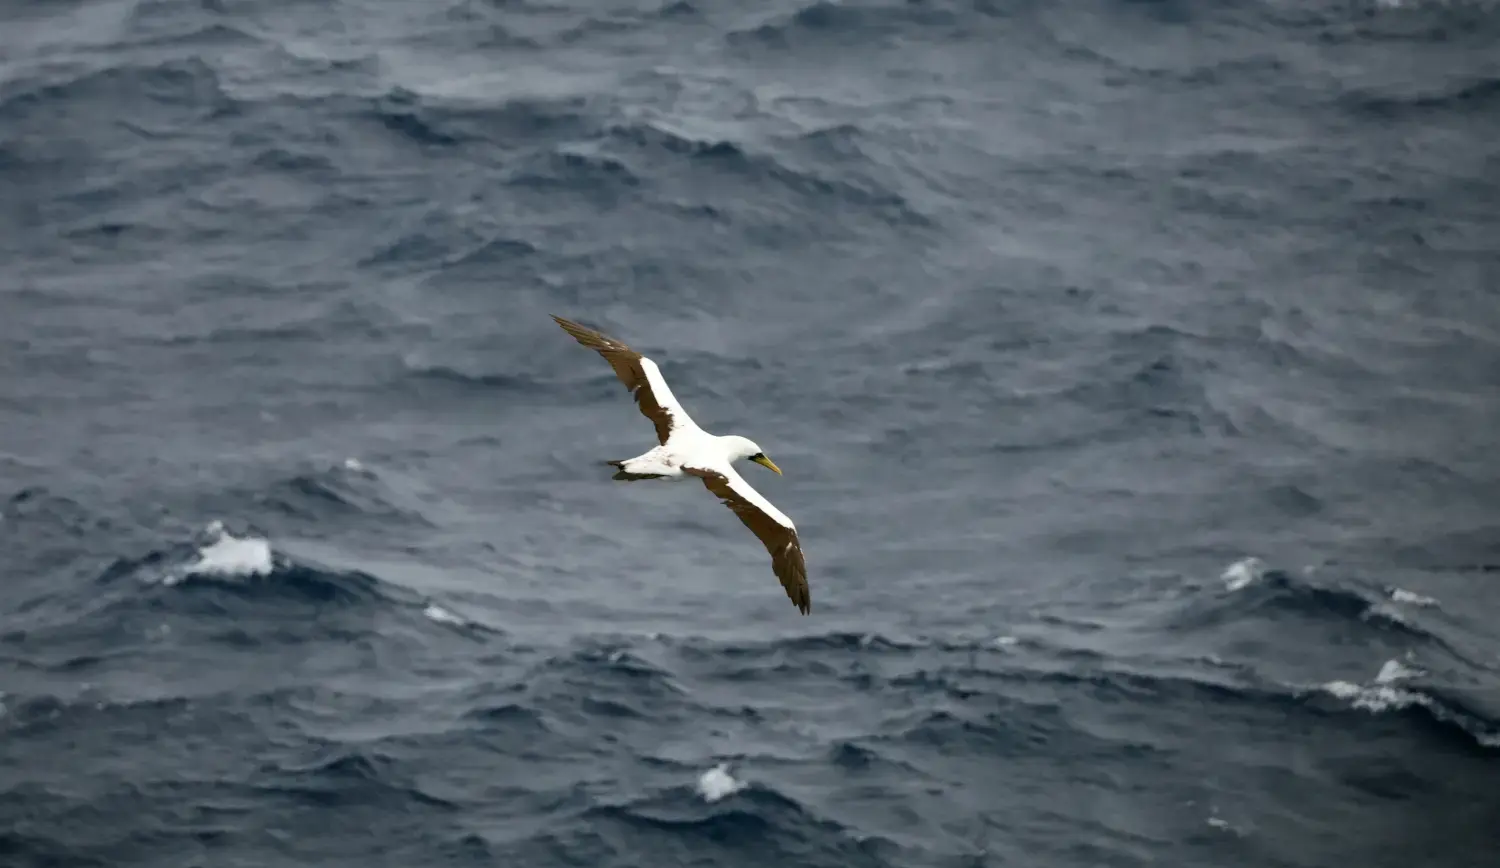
<point>1134,366</point>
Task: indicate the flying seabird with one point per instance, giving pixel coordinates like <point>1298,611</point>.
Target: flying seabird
<point>685,451</point>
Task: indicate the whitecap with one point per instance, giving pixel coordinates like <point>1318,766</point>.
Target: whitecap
<point>1395,670</point>
<point>235,556</point>
<point>1243,573</point>
<point>717,783</point>
<point>443,616</point>
<point>228,555</point>
<point>1382,695</point>
<point>1401,595</point>
<point>1377,699</point>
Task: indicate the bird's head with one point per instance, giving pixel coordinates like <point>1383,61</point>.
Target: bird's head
<point>744,447</point>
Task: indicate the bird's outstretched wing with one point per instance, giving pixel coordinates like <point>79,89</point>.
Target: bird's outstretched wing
<point>640,375</point>
<point>775,530</point>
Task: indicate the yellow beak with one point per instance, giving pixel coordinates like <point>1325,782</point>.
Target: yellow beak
<point>763,461</point>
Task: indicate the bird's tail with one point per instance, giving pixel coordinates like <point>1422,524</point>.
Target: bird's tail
<point>622,473</point>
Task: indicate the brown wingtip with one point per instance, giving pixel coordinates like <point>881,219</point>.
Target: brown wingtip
<point>798,591</point>
<point>592,338</point>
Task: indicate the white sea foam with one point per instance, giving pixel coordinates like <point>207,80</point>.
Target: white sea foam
<point>233,556</point>
<point>1401,595</point>
<point>1377,698</point>
<point>717,783</point>
<point>1395,670</point>
<point>443,616</point>
<point>1243,573</point>
<point>228,555</point>
<point>1382,695</point>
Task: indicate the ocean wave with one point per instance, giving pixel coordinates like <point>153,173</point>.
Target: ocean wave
<point>647,136</point>
<point>476,24</point>
<point>450,374</point>
<point>979,672</point>
<point>754,816</point>
<point>55,543</point>
<point>348,491</point>
<point>869,197</point>
<point>289,159</point>
<point>40,849</point>
<point>173,20</point>
<point>1430,706</point>
<point>83,709</point>
<point>631,21</point>
<point>1251,588</point>
<point>39,510</point>
<point>240,590</point>
<point>190,89</point>
<point>436,121</point>
<point>510,716</point>
<point>342,776</point>
<point>492,251</point>
<point>176,31</point>
<point>825,22</point>
<point>1113,685</point>
<point>1151,377</point>
<point>613,666</point>
<point>401,112</point>
<point>575,168</point>
<point>1479,96</point>
<point>839,640</point>
<point>438,236</point>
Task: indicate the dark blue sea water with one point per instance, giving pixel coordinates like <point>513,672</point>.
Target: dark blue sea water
<point>1134,368</point>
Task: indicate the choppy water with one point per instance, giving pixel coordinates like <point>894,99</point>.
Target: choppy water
<point>1135,369</point>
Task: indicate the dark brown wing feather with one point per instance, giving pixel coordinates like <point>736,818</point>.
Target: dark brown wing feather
<point>627,365</point>
<point>780,541</point>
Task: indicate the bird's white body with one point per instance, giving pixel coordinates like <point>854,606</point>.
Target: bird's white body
<point>691,446</point>
<point>686,451</point>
